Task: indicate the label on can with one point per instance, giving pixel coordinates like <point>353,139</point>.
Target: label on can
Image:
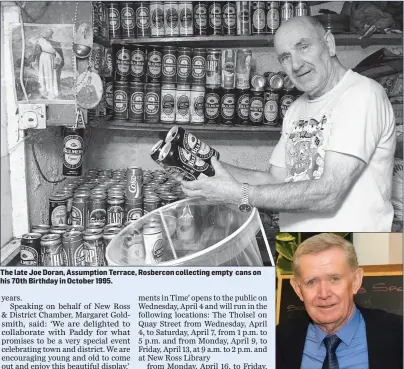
<point>198,67</point>
<point>136,103</point>
<point>134,214</point>
<point>212,105</point>
<point>28,256</point>
<point>228,106</point>
<point>256,109</point>
<point>73,151</point>
<point>172,18</point>
<point>98,216</point>
<point>109,95</point>
<point>229,16</point>
<point>243,26</point>
<point>123,62</point>
<point>137,65</point>
<point>115,214</point>
<point>152,103</point>
<point>157,20</point>
<point>301,9</point>
<point>168,105</point>
<point>114,19</point>
<point>273,19</point>
<point>196,146</point>
<point>154,64</point>
<point>259,20</point>
<point>59,215</point>
<point>169,65</point>
<point>128,18</point>
<point>77,216</point>
<point>186,19</point>
<point>54,256</point>
<point>197,106</point>
<point>213,77</point>
<point>200,17</point>
<point>120,101</point>
<point>215,16</point>
<point>191,160</point>
<point>182,106</point>
<point>270,111</point>
<point>184,66</point>
<point>86,254</point>
<point>285,102</point>
<point>243,106</point>
<point>286,11</point>
<point>142,17</point>
<point>158,250</point>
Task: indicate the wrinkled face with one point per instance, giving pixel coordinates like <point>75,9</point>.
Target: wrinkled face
<point>304,57</point>
<point>327,285</point>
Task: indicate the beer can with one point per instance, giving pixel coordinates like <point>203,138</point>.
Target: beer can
<point>242,107</point>
<point>258,81</point>
<point>228,68</point>
<point>136,101</point>
<point>109,95</point>
<point>154,57</point>
<point>96,20</point>
<point>168,198</point>
<point>179,136</point>
<point>52,252</point>
<point>128,20</point>
<point>229,12</point>
<point>256,107</point>
<point>133,250</point>
<point>114,20</point>
<point>228,107</point>
<point>157,19</point>
<point>134,183</point>
<point>73,145</point>
<point>271,107</point>
<point>121,90</point>
<point>182,104</point>
<point>115,209</point>
<point>155,151</point>
<point>243,67</point>
<point>273,16</point>
<point>168,103</point>
<point>108,68</point>
<point>213,68</point>
<point>138,62</point>
<point>92,251</point>
<point>59,229</point>
<point>185,12</point>
<point>41,229</point>
<point>274,81</point>
<point>259,24</point>
<point>72,241</point>
<point>153,243</point>
<point>301,8</point>
<point>30,250</point>
<point>96,57</point>
<point>176,156</point>
<point>186,224</point>
<point>212,105</point>
<point>184,66</point>
<point>171,26</point>
<point>109,235</point>
<point>243,18</point>
<point>199,67</point>
<point>133,209</point>
<point>58,209</point>
<point>169,65</point>
<point>97,209</point>
<point>80,208</point>
<point>215,18</point>
<point>150,203</point>
<point>200,18</point>
<point>286,11</point>
<point>142,19</point>
<point>152,103</point>
<point>286,100</point>
<point>197,105</point>
<point>122,62</point>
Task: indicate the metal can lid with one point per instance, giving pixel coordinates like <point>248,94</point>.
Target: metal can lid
<point>214,50</point>
<point>156,147</point>
<point>121,83</point>
<point>31,236</point>
<point>42,226</point>
<point>198,88</point>
<point>72,236</point>
<point>58,197</point>
<point>151,198</point>
<point>257,89</point>
<point>199,50</point>
<point>136,84</point>
<point>276,81</point>
<point>288,84</point>
<point>169,47</point>
<point>92,234</point>
<point>152,85</point>
<point>258,81</point>
<point>186,49</point>
<point>111,233</point>
<point>168,86</point>
<point>183,87</point>
<point>81,194</point>
<point>136,201</point>
<point>165,151</point>
<point>50,237</point>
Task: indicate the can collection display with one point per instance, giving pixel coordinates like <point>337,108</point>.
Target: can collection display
<point>193,18</point>
<point>86,213</point>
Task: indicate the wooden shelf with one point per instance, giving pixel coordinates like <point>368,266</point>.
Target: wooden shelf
<point>109,123</point>
<point>347,39</point>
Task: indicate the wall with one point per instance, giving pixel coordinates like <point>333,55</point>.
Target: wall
<point>378,248</point>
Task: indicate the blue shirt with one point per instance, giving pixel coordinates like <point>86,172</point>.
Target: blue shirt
<point>352,352</point>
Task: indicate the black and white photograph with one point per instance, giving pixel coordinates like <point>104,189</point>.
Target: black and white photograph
<point>48,73</point>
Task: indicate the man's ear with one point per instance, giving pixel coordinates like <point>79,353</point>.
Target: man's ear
<point>357,280</point>
<point>296,287</point>
<point>330,42</point>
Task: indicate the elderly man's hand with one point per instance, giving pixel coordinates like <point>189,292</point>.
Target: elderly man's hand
<point>222,187</point>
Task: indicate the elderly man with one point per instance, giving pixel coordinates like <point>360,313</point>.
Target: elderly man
<point>335,333</point>
<point>332,168</point>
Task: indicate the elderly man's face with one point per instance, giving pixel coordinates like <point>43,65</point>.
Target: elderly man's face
<point>304,57</point>
<point>327,285</point>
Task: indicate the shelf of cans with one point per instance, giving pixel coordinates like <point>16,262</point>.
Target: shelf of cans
<point>168,19</point>
<point>170,85</point>
<point>86,213</point>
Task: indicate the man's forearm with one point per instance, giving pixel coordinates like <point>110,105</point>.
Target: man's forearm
<point>315,195</point>
<point>253,177</point>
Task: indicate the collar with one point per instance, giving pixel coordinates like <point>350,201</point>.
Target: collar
<point>345,333</point>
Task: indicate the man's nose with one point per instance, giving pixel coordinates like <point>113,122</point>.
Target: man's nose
<point>323,290</point>
<point>297,62</point>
